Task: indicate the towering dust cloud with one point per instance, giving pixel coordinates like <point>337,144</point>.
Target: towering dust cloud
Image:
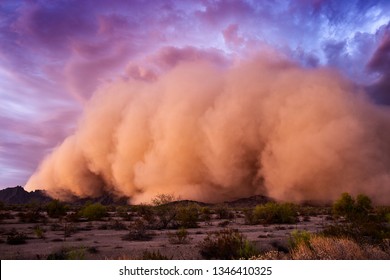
<point>202,132</point>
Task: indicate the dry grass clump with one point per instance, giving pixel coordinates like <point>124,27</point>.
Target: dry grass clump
<point>327,248</point>
<point>270,255</point>
<point>138,232</point>
<point>316,247</point>
<point>178,237</point>
<point>227,244</point>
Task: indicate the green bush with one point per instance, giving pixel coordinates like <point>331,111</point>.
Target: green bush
<point>188,216</point>
<point>227,244</point>
<point>371,231</point>
<point>352,210</point>
<point>39,232</point>
<point>178,237</point>
<point>387,217</point>
<point>364,224</point>
<point>56,209</point>
<point>94,211</point>
<point>275,213</point>
<point>298,237</point>
<point>249,216</point>
<point>205,214</point>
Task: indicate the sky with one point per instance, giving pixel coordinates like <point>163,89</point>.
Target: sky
<point>55,54</point>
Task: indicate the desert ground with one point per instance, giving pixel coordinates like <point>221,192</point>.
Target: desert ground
<point>95,239</point>
<point>154,232</point>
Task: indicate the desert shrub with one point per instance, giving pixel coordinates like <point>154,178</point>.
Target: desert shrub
<point>187,216</point>
<point>351,209</point>
<point>69,229</point>
<point>363,203</point>
<point>387,218</point>
<point>298,237</point>
<point>56,209</point>
<point>65,253</point>
<point>306,219</point>
<point>56,227</point>
<point>223,212</point>
<point>16,238</point>
<point>114,225</point>
<point>39,232</point>
<point>205,214</point>
<point>178,237</point>
<point>92,250</point>
<point>165,215</point>
<point>138,232</point>
<point>371,231</point>
<point>326,248</point>
<point>73,217</point>
<point>162,199</point>
<point>249,216</point>
<point>6,215</point>
<point>154,255</point>
<point>123,212</point>
<point>223,223</point>
<point>117,225</point>
<point>274,213</point>
<point>363,223</point>
<point>32,216</point>
<point>227,244</point>
<point>313,211</point>
<point>93,212</point>
<point>146,212</point>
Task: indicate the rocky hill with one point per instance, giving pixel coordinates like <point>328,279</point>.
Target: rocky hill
<point>18,195</point>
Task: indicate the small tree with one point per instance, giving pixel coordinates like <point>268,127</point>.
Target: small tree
<point>162,199</point>
<point>275,213</point>
<point>94,211</point>
<point>188,216</point>
<point>351,209</point>
<point>363,204</point>
<point>344,206</point>
<point>56,209</point>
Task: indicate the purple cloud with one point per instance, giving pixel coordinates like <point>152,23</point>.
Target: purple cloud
<point>55,54</point>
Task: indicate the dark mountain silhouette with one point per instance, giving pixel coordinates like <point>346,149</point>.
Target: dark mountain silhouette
<point>18,195</point>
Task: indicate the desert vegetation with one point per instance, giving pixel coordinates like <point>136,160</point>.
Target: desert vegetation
<point>350,228</point>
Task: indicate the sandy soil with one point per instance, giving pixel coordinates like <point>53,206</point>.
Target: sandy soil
<point>90,241</point>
